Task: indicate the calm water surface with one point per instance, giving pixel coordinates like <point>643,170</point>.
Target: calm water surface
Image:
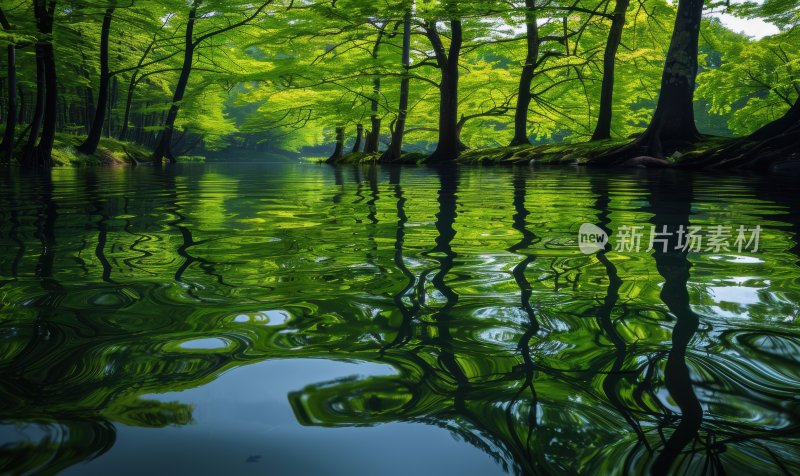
<point>303,319</point>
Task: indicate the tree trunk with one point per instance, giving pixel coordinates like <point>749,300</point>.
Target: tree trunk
<point>449,146</point>
<point>673,122</point>
<point>338,153</point>
<point>396,147</point>
<point>29,150</point>
<point>89,146</point>
<point>672,126</point>
<point>603,129</point>
<point>45,148</point>
<point>40,155</point>
<point>359,138</point>
<point>524,95</point>
<point>373,136</point>
<point>164,147</point>
<point>7,145</point>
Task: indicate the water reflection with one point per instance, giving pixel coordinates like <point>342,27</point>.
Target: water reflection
<point>671,207</point>
<point>119,284</point>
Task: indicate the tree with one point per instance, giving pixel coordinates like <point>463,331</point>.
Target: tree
<point>38,150</point>
<point>672,126</point>
<point>395,147</point>
<point>755,82</point>
<point>524,95</point>
<point>7,144</point>
<point>192,43</point>
<point>449,146</point>
<point>89,146</point>
<point>603,129</point>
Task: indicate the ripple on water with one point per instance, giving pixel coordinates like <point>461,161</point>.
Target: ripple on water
<point>211,343</point>
<point>276,317</point>
<point>118,286</point>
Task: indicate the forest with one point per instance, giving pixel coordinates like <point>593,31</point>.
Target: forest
<point>645,82</point>
<point>268,237</point>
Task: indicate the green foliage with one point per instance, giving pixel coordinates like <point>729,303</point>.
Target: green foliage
<point>286,76</point>
<point>110,152</point>
<point>756,82</point>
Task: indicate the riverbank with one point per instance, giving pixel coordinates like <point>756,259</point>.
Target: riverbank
<point>110,152</point>
<point>551,154</point>
<point>708,153</point>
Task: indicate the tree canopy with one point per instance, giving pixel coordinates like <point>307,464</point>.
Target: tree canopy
<point>183,78</point>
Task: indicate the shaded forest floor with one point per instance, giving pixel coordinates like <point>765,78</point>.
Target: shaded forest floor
<point>109,152</point>
<point>707,153</point>
<point>545,154</point>
<point>555,154</point>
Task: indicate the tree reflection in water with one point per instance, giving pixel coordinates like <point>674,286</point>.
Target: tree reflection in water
<point>464,281</point>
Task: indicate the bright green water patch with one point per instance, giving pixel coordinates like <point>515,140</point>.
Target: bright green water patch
<point>305,319</point>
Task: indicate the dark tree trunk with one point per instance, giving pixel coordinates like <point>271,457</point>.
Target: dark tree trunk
<point>396,147</point>
<point>373,136</point>
<point>449,146</point>
<point>89,146</point>
<point>671,206</point>
<point>45,148</point>
<point>7,145</point>
<point>28,157</point>
<point>672,126</point>
<point>40,155</point>
<point>603,129</point>
<point>359,138</point>
<point>164,146</point>
<point>673,122</point>
<point>338,152</point>
<point>524,95</point>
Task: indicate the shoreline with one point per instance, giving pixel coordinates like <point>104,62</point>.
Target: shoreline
<point>707,155</point>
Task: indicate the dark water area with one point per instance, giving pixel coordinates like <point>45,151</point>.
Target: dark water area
<point>303,319</point>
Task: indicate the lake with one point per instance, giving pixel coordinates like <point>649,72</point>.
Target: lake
<point>250,318</point>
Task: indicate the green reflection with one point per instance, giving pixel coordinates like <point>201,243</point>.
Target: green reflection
<point>119,284</point>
